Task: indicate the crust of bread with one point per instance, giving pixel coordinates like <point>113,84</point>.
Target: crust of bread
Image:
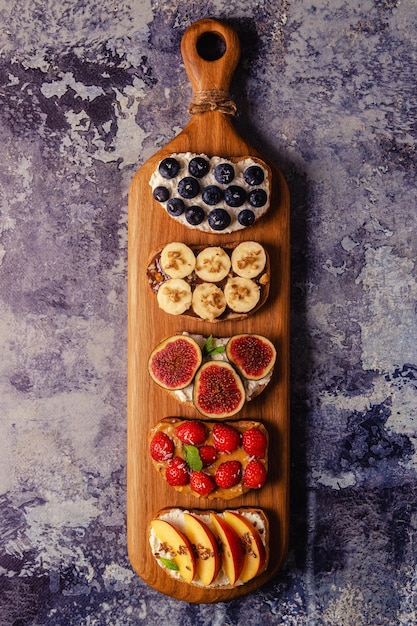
<point>263,518</point>
<point>265,276</point>
<point>169,424</point>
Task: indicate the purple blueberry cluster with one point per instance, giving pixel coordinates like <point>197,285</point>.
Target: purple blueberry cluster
<point>211,201</point>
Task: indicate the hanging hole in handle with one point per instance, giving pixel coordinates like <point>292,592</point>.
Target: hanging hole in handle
<point>211,46</point>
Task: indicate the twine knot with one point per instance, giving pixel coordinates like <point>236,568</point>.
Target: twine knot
<point>212,100</point>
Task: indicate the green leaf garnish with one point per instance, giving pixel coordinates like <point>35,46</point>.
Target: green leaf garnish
<point>192,457</point>
<point>217,350</point>
<point>169,564</point>
<point>209,348</point>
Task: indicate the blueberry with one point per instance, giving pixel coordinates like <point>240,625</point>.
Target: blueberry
<point>195,215</point>
<point>169,168</point>
<point>257,197</point>
<point>254,175</point>
<point>175,207</point>
<point>234,196</point>
<point>218,219</point>
<point>212,195</point>
<point>224,173</point>
<point>198,167</point>
<point>188,187</point>
<point>246,217</point>
<point>161,194</point>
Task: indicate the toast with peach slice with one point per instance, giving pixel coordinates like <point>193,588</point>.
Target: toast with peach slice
<point>211,283</point>
<point>228,548</point>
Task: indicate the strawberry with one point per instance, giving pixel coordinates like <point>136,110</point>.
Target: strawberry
<point>161,447</point>
<point>228,474</point>
<point>177,472</point>
<point>254,442</point>
<point>191,432</point>
<point>202,483</point>
<point>254,475</point>
<point>226,438</point>
<point>208,454</point>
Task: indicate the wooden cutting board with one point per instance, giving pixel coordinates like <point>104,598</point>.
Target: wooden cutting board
<point>150,227</point>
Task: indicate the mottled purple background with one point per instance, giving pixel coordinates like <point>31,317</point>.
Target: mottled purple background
<point>89,90</point>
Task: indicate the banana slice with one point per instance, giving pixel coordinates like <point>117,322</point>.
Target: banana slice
<point>177,260</point>
<point>174,296</point>
<point>242,294</point>
<point>248,259</point>
<point>212,264</point>
<point>208,301</point>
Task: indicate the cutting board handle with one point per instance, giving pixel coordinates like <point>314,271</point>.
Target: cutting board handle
<point>210,50</point>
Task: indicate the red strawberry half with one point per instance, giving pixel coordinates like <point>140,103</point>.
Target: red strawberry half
<point>161,447</point>
<point>208,454</point>
<point>202,483</point>
<point>228,474</point>
<point>254,475</point>
<point>226,438</point>
<point>191,432</point>
<point>177,474</point>
<point>255,442</point>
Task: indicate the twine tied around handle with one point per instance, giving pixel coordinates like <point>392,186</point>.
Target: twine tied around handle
<point>212,100</point>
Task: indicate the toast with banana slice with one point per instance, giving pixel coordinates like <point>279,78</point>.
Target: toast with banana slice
<point>212,283</point>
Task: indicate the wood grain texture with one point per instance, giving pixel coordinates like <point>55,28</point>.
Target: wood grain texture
<point>150,227</point>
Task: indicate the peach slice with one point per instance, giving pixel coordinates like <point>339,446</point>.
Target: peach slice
<point>232,550</point>
<point>179,547</point>
<point>205,547</point>
<point>253,547</point>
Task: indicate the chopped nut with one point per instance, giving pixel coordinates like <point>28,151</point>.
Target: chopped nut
<point>250,260</point>
<point>174,260</point>
<point>175,295</point>
<point>182,550</point>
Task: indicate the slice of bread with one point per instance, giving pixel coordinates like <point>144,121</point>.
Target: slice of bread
<point>169,183</point>
<point>248,550</point>
<point>252,387</point>
<point>170,425</point>
<point>157,277</point>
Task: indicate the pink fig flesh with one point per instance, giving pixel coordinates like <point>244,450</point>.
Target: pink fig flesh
<point>218,390</point>
<point>253,355</point>
<point>174,363</point>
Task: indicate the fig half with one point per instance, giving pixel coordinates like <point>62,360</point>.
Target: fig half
<point>218,390</point>
<point>253,355</point>
<point>175,361</point>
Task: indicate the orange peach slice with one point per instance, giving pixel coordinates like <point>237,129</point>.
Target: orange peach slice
<point>232,550</point>
<point>253,547</point>
<point>205,547</point>
<point>179,547</point>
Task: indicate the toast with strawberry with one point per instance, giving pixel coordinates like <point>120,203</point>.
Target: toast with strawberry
<point>210,459</point>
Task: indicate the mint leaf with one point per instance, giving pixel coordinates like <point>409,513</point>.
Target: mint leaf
<point>209,349</point>
<point>217,350</point>
<point>208,346</point>
<point>169,564</point>
<point>192,457</point>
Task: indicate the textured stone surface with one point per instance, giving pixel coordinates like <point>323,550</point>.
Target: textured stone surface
<point>88,92</point>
